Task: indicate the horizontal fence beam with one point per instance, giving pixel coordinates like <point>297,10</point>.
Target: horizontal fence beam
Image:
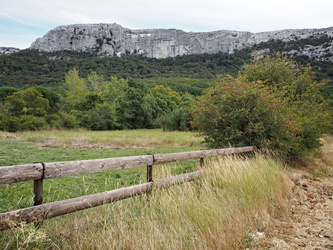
<point>68,168</point>
<point>11,174</point>
<point>18,173</point>
<point>183,156</point>
<point>57,208</point>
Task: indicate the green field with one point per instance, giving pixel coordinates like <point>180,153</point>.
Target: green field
<point>52,146</point>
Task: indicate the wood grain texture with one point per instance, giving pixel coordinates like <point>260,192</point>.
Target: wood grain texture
<point>18,173</point>
<point>68,168</point>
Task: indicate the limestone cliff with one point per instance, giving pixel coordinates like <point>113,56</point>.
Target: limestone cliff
<point>113,39</point>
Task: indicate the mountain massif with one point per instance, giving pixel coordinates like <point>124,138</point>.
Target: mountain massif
<point>113,39</point>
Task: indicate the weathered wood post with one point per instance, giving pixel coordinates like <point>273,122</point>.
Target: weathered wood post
<point>202,159</point>
<point>38,191</point>
<point>202,162</point>
<point>150,171</point>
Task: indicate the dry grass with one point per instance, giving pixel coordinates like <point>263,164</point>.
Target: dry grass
<point>144,138</point>
<point>327,150</point>
<point>320,162</point>
<point>217,211</point>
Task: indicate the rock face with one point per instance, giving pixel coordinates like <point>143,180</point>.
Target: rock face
<point>8,50</point>
<point>113,39</point>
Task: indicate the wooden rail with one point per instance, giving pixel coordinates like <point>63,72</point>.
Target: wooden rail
<point>39,171</point>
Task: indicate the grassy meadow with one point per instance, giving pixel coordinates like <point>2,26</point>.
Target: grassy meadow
<point>220,210</point>
<point>52,146</point>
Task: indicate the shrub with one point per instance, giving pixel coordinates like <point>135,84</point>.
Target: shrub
<point>67,120</point>
<point>103,117</point>
<point>29,122</point>
<point>273,104</point>
<point>238,113</point>
<point>177,119</point>
<point>9,123</point>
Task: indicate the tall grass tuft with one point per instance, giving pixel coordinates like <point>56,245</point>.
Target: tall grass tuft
<point>327,150</point>
<point>232,198</point>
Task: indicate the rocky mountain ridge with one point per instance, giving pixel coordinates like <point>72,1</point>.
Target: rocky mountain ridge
<point>113,39</point>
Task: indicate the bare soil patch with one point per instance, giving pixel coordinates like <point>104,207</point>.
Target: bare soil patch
<point>308,223</point>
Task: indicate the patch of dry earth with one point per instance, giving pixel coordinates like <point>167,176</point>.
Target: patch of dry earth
<point>308,223</point>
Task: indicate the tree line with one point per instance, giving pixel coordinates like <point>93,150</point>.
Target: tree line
<point>95,103</point>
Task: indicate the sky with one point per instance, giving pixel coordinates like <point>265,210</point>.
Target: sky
<point>23,21</point>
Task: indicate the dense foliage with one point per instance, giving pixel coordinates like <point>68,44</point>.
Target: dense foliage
<point>274,103</point>
<point>95,103</point>
<point>33,68</point>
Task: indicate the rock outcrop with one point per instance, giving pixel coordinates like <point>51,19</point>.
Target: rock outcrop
<point>8,50</point>
<point>113,39</point>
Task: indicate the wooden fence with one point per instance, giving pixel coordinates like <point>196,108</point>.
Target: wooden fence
<point>37,172</point>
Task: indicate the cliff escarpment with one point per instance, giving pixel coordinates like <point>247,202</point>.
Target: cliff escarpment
<point>113,39</point>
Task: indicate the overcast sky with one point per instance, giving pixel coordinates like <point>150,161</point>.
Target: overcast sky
<point>22,21</point>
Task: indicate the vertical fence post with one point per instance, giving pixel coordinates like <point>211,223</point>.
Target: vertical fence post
<point>202,162</point>
<point>150,171</point>
<point>38,192</point>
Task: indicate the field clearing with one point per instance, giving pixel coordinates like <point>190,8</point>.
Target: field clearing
<point>52,146</point>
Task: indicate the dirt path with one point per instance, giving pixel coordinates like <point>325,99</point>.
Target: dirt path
<point>308,223</point>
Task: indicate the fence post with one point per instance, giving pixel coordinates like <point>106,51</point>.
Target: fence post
<point>202,162</point>
<point>38,192</point>
<point>150,171</point>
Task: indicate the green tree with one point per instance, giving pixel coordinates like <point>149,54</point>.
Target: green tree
<point>6,91</point>
<point>28,102</point>
<point>115,87</point>
<point>49,94</point>
<point>101,117</point>
<point>179,118</point>
<point>160,101</point>
<point>131,110</point>
<point>89,102</point>
<point>75,88</point>
<point>96,83</point>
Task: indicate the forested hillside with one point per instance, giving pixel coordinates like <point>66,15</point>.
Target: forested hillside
<point>33,68</point>
<point>29,68</point>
